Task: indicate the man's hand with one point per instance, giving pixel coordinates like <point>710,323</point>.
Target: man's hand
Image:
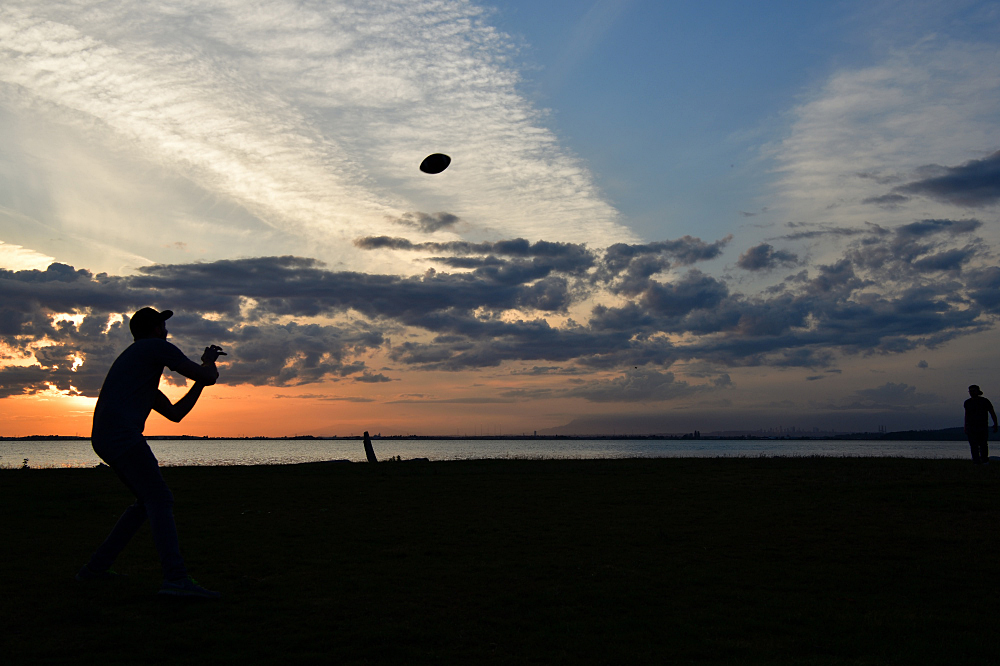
<point>211,353</point>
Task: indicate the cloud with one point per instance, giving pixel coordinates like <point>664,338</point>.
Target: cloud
<point>540,370</point>
<point>890,396</point>
<point>764,257</point>
<point>325,398</point>
<point>823,231</point>
<point>544,256</point>
<point>16,257</point>
<point>984,286</point>
<point>264,350</point>
<point>291,320</point>
<point>974,184</point>
<point>301,121</point>
<point>428,223</point>
<point>871,127</point>
<point>482,400</point>
<point>585,36</point>
<point>920,247</point>
<point>369,378</point>
<point>924,228</point>
<point>890,201</point>
<point>627,268</point>
<point>635,386</point>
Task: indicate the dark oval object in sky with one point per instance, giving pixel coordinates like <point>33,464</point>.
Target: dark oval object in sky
<point>435,163</point>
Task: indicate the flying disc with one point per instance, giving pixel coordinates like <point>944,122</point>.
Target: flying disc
<point>435,163</point>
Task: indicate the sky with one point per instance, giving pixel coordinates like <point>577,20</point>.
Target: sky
<point>660,217</point>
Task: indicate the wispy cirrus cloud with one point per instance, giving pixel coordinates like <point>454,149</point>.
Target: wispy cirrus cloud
<point>312,117</point>
<point>867,130</point>
<point>586,34</point>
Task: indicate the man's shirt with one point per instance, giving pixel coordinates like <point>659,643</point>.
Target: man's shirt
<point>977,414</point>
<point>127,395</point>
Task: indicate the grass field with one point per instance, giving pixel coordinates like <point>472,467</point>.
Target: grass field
<point>707,561</point>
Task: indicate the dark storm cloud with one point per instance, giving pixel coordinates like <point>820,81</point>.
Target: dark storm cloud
<point>290,320</point>
<point>975,183</point>
<point>764,257</point>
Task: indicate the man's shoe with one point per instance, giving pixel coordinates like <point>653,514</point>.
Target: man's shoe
<point>87,574</point>
<point>186,587</point>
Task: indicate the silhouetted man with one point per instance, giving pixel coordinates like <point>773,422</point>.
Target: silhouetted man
<point>977,424</point>
<point>130,392</point>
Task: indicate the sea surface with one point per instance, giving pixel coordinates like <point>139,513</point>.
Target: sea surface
<point>209,452</point>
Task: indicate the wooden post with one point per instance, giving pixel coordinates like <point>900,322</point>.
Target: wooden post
<point>369,451</point>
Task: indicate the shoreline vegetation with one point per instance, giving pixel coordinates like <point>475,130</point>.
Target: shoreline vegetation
<point>688,561</point>
<point>941,435</point>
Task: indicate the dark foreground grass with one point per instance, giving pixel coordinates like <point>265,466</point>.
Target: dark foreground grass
<point>768,561</point>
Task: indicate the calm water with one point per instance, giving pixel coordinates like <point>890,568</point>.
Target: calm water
<point>257,452</point>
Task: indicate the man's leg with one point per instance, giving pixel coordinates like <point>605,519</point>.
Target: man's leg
<point>140,472</point>
<point>126,527</point>
<point>974,448</point>
<point>978,446</point>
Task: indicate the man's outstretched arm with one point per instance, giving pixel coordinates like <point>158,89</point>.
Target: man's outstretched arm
<point>206,373</point>
<point>176,412</point>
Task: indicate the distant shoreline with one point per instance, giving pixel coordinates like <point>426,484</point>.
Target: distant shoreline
<point>942,435</point>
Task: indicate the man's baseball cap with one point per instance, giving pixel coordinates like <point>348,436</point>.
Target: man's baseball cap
<point>975,389</point>
<point>145,320</point>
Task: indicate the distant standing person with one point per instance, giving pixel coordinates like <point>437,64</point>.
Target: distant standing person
<point>977,424</point>
<point>130,392</point>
